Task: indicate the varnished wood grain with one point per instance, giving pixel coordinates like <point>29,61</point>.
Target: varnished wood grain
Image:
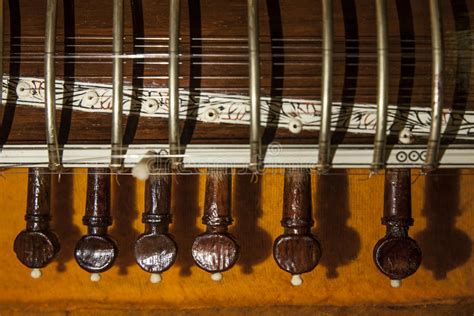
<point>213,46</point>
<point>397,255</point>
<point>216,250</point>
<point>347,215</point>
<point>297,250</point>
<point>37,245</point>
<point>96,251</point>
<point>155,250</point>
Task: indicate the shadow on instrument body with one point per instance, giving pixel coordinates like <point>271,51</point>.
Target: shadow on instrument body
<point>351,72</point>
<point>124,213</point>
<point>278,70</point>
<point>138,69</point>
<point>185,211</point>
<point>407,70</point>
<point>462,25</point>
<point>63,217</point>
<point>255,242</point>
<point>14,71</point>
<point>340,243</point>
<point>138,65</point>
<point>69,71</point>
<point>444,246</point>
<point>195,71</point>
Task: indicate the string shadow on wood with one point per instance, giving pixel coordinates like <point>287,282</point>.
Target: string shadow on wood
<point>195,70</point>
<point>255,242</point>
<point>124,213</point>
<point>407,70</point>
<point>340,243</point>
<point>185,211</point>
<point>63,218</point>
<point>444,246</point>
<point>69,71</point>
<point>351,71</point>
<point>138,69</point>
<point>14,71</point>
<point>278,69</point>
<point>462,25</point>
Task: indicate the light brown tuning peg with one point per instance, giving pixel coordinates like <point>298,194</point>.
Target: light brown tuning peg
<point>216,250</point>
<point>155,249</point>
<point>37,245</point>
<point>297,251</point>
<point>96,251</point>
<point>397,255</point>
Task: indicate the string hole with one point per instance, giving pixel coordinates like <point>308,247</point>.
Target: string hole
<point>211,115</point>
<point>295,126</point>
<point>406,136</point>
<point>151,106</point>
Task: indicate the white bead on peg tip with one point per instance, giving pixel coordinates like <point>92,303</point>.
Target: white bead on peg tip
<point>36,273</point>
<point>216,276</point>
<point>95,277</point>
<point>396,283</point>
<point>296,280</point>
<point>155,278</point>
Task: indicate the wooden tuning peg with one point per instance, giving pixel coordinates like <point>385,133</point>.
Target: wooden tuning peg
<point>96,251</point>
<point>297,251</point>
<point>155,249</point>
<point>397,255</point>
<point>216,250</point>
<point>37,245</point>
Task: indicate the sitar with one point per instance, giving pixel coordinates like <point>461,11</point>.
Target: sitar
<point>159,89</point>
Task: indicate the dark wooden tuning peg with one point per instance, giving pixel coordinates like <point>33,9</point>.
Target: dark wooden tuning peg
<point>397,255</point>
<point>155,249</point>
<point>37,245</point>
<point>297,251</point>
<point>96,251</point>
<point>216,250</point>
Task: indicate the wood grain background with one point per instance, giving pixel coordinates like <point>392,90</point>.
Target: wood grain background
<point>347,207</point>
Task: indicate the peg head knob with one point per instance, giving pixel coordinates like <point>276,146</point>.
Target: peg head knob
<point>215,252</point>
<point>96,253</point>
<point>155,253</point>
<point>297,254</point>
<point>397,257</point>
<point>36,249</point>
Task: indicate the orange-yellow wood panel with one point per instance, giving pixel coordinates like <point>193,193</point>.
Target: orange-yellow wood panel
<point>346,207</point>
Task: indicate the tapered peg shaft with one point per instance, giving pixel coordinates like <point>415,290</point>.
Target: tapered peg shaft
<point>155,249</point>
<point>216,250</point>
<point>397,255</point>
<point>297,251</point>
<point>97,251</point>
<point>37,245</point>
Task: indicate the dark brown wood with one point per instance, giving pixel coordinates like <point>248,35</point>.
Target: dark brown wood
<point>297,250</point>
<point>97,251</point>
<point>216,250</point>
<point>37,245</point>
<point>214,59</point>
<point>156,249</point>
<point>397,255</point>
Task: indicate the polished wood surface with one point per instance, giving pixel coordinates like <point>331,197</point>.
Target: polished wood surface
<point>37,245</point>
<point>96,251</point>
<point>155,250</point>
<point>214,48</point>
<point>346,208</point>
<point>297,250</point>
<point>216,250</point>
<point>397,255</point>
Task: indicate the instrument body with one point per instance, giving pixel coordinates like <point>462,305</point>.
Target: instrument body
<point>193,83</point>
<point>347,224</point>
<point>214,60</point>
